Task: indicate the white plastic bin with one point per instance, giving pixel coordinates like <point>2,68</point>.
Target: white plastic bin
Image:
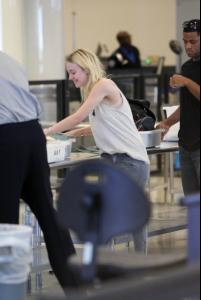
<point>59,150</point>
<point>15,261</point>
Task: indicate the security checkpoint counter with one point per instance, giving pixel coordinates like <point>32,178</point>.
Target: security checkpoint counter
<point>168,149</point>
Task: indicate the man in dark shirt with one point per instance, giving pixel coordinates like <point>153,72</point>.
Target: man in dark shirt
<point>189,111</point>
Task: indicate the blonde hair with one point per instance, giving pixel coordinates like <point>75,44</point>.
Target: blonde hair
<point>90,63</point>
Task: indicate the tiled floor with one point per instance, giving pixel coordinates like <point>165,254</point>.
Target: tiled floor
<point>168,243</point>
<point>172,244</point>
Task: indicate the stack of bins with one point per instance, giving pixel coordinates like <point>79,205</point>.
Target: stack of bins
<point>15,261</point>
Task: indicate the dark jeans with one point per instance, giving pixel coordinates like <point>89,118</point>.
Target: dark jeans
<point>190,168</point>
<point>140,172</point>
<point>24,173</point>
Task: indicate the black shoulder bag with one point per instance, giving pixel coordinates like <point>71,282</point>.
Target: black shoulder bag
<point>144,118</point>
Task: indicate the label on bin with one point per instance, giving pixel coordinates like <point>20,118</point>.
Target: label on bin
<point>5,253</point>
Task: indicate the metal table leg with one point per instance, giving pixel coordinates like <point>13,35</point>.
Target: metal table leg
<point>171,180</point>
<point>166,175</point>
<point>31,221</point>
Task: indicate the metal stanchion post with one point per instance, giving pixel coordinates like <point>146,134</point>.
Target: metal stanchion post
<point>37,258</point>
<point>31,221</point>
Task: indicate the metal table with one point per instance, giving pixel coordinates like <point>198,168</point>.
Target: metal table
<point>166,148</point>
<point>75,158</point>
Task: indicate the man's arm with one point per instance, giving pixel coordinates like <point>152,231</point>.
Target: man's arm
<point>193,88</point>
<point>169,122</point>
<point>178,81</point>
<point>174,118</point>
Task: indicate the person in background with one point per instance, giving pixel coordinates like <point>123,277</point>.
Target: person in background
<point>24,170</point>
<point>189,111</point>
<point>111,121</point>
<point>127,55</point>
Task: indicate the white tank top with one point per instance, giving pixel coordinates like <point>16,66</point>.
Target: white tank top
<point>114,131</point>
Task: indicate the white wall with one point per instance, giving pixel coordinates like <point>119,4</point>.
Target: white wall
<point>12,28</point>
<point>1,25</point>
<point>45,54</point>
<point>151,22</point>
<point>32,32</point>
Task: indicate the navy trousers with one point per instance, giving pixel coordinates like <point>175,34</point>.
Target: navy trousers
<point>24,173</point>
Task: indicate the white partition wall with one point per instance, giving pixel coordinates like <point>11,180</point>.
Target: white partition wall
<point>45,54</point>
<point>12,28</point>
<point>32,32</point>
<point>1,25</point>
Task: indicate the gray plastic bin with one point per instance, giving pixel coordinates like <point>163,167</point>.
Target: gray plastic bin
<point>13,291</point>
<point>15,261</point>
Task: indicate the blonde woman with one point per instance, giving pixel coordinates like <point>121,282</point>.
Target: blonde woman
<point>111,121</point>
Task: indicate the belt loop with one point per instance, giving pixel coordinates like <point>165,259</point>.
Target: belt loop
<point>114,158</point>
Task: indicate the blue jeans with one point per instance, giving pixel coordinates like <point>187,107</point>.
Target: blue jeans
<point>190,168</point>
<point>140,172</point>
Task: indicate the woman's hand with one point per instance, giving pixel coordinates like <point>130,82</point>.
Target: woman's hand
<point>74,133</point>
<point>80,132</point>
<point>47,131</point>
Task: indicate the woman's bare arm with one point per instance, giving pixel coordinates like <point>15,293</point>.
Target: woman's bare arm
<point>97,95</point>
<point>86,131</point>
